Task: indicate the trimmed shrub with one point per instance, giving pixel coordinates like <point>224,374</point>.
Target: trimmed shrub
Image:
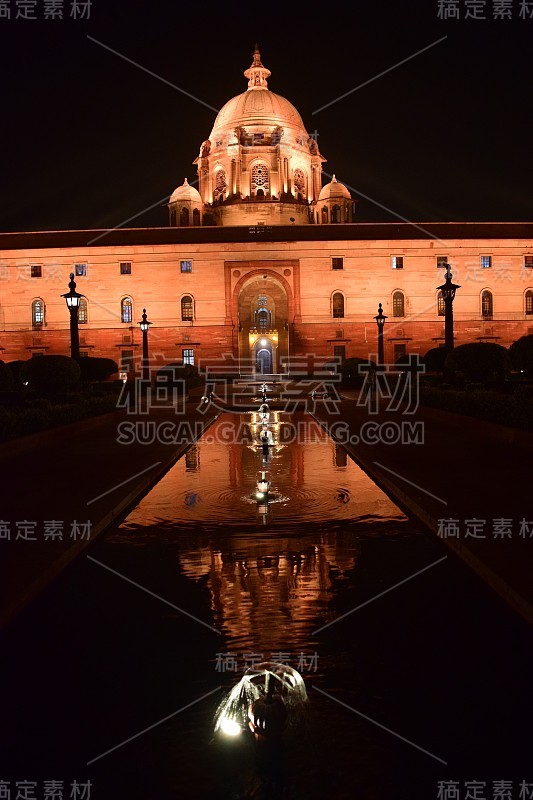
<point>96,369</point>
<point>51,376</point>
<point>176,371</point>
<point>16,368</point>
<point>521,354</point>
<point>479,361</point>
<point>6,378</point>
<point>350,371</point>
<point>434,359</point>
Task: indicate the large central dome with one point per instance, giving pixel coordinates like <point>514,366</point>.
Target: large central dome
<point>260,107</point>
<point>259,166</point>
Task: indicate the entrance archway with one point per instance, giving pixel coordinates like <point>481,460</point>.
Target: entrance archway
<point>263,323</point>
<point>264,361</point>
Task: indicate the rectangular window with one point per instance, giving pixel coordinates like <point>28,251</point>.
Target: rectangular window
<point>442,261</point>
<point>399,351</point>
<point>188,356</point>
<point>397,262</point>
<point>186,266</point>
<point>528,262</point>
<point>80,269</point>
<point>126,361</point>
<point>339,351</point>
<point>337,263</point>
<point>486,262</point>
<point>125,268</point>
<point>36,271</point>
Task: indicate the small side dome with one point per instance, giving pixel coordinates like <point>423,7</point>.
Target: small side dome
<point>334,191</point>
<point>185,192</point>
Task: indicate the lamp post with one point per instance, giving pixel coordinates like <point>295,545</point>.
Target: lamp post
<point>380,321</point>
<point>144,325</point>
<point>73,299</point>
<point>448,290</point>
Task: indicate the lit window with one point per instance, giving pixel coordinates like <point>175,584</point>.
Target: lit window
<point>260,183</point>
<point>529,303</point>
<point>528,262</point>
<point>188,356</point>
<point>338,305</point>
<point>441,305</point>
<point>82,311</point>
<point>36,271</point>
<point>486,304</point>
<point>80,269</point>
<point>126,309</point>
<point>186,308</point>
<point>185,266</point>
<point>398,305</point>
<point>37,312</point>
<point>442,262</point>
<point>299,182</point>
<point>486,262</point>
<point>397,262</point>
<point>125,268</point>
<point>337,263</point>
<point>220,184</point>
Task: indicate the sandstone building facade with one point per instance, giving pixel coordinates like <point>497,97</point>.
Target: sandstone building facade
<point>263,263</point>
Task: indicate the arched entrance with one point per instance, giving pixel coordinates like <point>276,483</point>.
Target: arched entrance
<point>263,324</point>
<point>263,361</point>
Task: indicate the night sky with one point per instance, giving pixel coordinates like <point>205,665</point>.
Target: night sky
<point>89,140</point>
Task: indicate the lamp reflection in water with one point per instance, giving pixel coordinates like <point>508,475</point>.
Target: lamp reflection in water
<point>268,698</point>
<point>262,495</point>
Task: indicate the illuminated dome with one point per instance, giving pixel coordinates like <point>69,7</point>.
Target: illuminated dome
<point>257,108</point>
<point>185,192</point>
<point>259,166</point>
<point>334,190</point>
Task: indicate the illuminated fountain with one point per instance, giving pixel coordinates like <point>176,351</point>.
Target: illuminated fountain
<point>267,699</point>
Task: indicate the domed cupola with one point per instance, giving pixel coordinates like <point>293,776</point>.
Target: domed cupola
<point>185,206</point>
<point>335,204</point>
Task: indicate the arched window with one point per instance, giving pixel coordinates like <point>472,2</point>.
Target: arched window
<point>260,183</point>
<point>529,302</point>
<point>336,214</point>
<point>187,311</point>
<point>82,311</point>
<point>299,183</point>
<point>398,304</point>
<point>184,217</point>
<point>220,184</point>
<point>324,215</point>
<point>262,319</point>
<point>126,309</point>
<point>196,217</point>
<point>486,304</point>
<point>37,312</point>
<point>173,218</point>
<point>441,305</point>
<point>337,305</point>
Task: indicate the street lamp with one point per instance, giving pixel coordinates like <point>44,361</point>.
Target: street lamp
<point>448,290</point>
<point>73,299</point>
<point>380,321</point>
<point>144,325</point>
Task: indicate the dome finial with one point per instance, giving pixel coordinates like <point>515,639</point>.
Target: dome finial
<point>185,182</point>
<point>334,179</point>
<point>257,74</point>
